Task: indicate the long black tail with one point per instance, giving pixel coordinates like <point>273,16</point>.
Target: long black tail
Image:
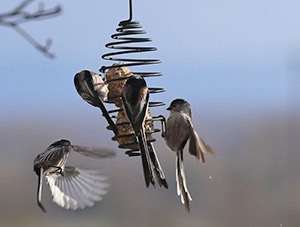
<point>159,173</point>
<point>39,190</point>
<point>146,159</point>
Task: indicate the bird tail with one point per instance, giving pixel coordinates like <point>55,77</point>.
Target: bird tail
<point>77,188</point>
<point>182,189</point>
<point>39,189</point>
<point>160,176</point>
<point>146,158</point>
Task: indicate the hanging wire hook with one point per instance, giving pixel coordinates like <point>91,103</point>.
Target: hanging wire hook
<point>130,14</point>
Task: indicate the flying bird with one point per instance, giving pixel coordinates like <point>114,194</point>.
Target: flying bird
<point>178,130</point>
<point>71,187</point>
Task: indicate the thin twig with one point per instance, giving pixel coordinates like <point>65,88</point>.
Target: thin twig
<point>18,16</point>
<point>42,48</point>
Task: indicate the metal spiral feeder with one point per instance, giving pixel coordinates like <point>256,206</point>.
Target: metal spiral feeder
<point>127,34</point>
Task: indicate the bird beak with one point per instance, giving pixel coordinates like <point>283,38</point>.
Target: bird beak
<point>169,108</point>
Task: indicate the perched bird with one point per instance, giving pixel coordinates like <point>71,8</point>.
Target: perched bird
<point>135,100</point>
<point>71,187</point>
<point>91,87</point>
<point>179,128</point>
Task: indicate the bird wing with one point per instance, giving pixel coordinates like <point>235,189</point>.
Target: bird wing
<point>138,112</point>
<point>77,188</point>
<point>135,111</point>
<point>197,146</point>
<point>53,155</point>
<point>94,152</point>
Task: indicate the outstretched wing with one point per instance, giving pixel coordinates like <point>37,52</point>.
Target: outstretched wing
<point>77,188</point>
<point>197,146</point>
<point>94,152</point>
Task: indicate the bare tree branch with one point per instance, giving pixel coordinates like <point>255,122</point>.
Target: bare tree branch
<point>19,15</point>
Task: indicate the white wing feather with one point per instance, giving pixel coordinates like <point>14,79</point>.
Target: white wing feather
<point>77,188</point>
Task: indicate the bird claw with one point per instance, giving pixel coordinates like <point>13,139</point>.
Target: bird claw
<point>60,171</point>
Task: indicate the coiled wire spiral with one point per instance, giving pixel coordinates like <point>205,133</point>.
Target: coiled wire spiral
<point>125,31</point>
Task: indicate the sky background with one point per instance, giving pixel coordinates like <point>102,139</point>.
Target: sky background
<point>236,62</point>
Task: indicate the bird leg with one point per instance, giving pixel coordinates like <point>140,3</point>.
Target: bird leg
<point>58,170</point>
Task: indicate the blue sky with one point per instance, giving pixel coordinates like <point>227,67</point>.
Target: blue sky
<point>223,55</point>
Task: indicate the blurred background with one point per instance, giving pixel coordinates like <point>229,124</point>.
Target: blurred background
<point>236,62</point>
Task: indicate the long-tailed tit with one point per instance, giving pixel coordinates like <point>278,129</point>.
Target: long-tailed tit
<point>135,99</point>
<point>71,187</point>
<point>91,87</point>
<point>179,128</point>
